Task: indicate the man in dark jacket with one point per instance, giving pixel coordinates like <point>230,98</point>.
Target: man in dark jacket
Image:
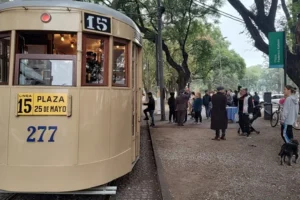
<point>181,106</point>
<point>172,107</point>
<point>219,120</point>
<point>150,109</point>
<point>246,109</point>
<point>206,101</point>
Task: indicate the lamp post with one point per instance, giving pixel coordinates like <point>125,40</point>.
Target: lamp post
<point>160,11</point>
<point>222,79</point>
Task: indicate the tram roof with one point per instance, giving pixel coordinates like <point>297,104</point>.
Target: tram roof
<point>7,4</point>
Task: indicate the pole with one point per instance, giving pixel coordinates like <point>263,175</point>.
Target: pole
<point>285,58</point>
<point>160,60</point>
<point>148,71</point>
<point>221,67</point>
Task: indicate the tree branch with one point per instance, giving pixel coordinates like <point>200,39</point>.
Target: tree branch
<point>254,32</point>
<point>285,10</point>
<point>272,12</point>
<point>260,6</point>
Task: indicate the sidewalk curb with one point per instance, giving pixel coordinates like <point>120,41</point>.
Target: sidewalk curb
<point>160,171</point>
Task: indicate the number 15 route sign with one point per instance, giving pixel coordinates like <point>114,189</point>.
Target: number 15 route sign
<point>276,49</point>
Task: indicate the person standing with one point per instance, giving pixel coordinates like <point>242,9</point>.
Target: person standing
<point>197,107</point>
<point>181,106</point>
<point>219,120</point>
<point>245,110</point>
<point>172,107</point>
<point>150,108</point>
<point>289,114</point>
<point>206,102</point>
<point>229,98</point>
<point>256,99</point>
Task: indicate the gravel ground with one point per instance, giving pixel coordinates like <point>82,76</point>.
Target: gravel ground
<point>142,183</point>
<point>196,167</point>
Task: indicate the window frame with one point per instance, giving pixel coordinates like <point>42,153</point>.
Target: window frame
<point>127,60</point>
<point>86,36</point>
<point>3,35</point>
<point>44,57</point>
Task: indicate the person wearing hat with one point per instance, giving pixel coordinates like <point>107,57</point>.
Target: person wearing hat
<point>245,110</point>
<point>150,108</point>
<point>181,106</point>
<point>93,68</point>
<point>219,120</point>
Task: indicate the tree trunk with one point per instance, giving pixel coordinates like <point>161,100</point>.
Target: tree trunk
<point>182,80</point>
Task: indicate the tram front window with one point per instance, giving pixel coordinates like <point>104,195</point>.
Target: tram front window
<point>46,58</point>
<point>4,57</point>
<point>49,72</point>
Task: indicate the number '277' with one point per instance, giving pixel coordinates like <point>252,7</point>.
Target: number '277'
<point>42,130</point>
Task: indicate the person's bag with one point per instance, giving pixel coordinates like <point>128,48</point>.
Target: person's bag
<point>236,117</point>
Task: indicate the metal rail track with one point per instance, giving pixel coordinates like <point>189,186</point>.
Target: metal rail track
<point>9,197</point>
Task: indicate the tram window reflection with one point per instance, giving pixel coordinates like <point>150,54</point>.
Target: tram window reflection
<point>46,72</point>
<point>4,57</point>
<point>95,66</point>
<point>37,42</point>
<point>45,58</point>
<point>120,68</point>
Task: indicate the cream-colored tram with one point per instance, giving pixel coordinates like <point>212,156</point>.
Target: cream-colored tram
<point>70,75</point>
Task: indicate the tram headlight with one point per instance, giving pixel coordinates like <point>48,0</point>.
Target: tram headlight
<point>46,17</point>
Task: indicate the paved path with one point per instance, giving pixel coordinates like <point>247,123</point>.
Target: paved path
<point>195,167</point>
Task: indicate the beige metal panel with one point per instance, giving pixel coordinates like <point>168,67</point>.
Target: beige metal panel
<point>31,20</point>
<point>79,58</point>
<point>62,152</point>
<point>63,178</point>
<point>4,121</point>
<point>94,125</point>
<point>122,30</point>
<point>120,121</point>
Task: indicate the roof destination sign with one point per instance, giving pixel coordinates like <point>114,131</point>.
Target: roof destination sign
<point>43,104</point>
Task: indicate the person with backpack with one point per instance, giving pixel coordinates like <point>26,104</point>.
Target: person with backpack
<point>206,103</point>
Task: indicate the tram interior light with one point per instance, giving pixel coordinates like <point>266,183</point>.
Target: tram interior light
<point>62,37</point>
<point>72,45</point>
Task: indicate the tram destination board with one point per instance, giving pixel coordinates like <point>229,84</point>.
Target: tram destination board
<point>97,23</point>
<point>43,104</point>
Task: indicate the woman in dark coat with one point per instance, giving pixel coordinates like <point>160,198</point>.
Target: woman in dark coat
<point>219,120</point>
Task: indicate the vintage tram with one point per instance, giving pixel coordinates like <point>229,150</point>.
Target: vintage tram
<point>70,84</point>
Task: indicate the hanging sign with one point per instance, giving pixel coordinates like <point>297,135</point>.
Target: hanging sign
<point>276,49</point>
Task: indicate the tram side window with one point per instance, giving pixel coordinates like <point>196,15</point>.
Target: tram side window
<point>45,58</point>
<point>4,57</point>
<point>120,66</point>
<point>95,60</point>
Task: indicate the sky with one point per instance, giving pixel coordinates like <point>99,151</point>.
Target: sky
<point>240,42</point>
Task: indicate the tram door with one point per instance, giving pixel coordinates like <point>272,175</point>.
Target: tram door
<point>134,102</point>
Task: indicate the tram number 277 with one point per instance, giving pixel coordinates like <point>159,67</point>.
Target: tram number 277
<point>42,130</point>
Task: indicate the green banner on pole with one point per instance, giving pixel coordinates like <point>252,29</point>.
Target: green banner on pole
<point>276,49</point>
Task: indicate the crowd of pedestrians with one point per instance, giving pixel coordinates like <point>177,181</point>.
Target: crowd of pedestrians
<point>215,104</point>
